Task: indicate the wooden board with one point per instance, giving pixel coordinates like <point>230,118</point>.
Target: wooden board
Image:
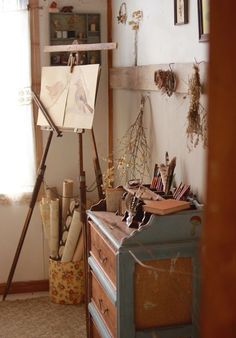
<point>142,77</point>
<point>80,47</point>
<point>165,207</point>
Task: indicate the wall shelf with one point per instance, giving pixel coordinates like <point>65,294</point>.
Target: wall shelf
<point>67,27</point>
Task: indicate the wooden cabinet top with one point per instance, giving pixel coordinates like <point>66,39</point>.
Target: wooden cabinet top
<point>181,226</point>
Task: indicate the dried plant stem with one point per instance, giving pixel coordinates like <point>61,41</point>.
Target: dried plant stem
<point>134,149</point>
<point>197,122</point>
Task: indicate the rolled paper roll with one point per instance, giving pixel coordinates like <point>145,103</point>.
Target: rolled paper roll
<point>67,194</point>
<point>79,249</point>
<point>44,208</point>
<point>64,236</point>
<point>73,236</point>
<point>61,250</point>
<point>54,228</point>
<point>45,200</point>
<point>68,221</point>
<point>72,206</point>
<point>51,193</point>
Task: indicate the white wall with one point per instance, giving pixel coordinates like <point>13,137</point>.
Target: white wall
<point>161,42</point>
<point>62,162</point>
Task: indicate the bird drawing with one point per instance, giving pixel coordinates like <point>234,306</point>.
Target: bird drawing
<point>55,90</point>
<point>81,96</point>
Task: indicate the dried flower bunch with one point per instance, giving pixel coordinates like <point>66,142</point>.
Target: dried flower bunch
<point>197,119</point>
<point>137,17</point>
<point>165,81</point>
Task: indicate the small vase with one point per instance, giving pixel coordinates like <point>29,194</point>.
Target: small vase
<point>113,198</point>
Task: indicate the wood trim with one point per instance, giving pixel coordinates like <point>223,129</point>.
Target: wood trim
<point>219,235</point>
<point>110,91</point>
<point>35,71</point>
<point>82,47</point>
<point>142,77</point>
<point>26,287</point>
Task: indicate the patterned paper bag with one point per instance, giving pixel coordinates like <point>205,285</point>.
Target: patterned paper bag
<point>66,282</point>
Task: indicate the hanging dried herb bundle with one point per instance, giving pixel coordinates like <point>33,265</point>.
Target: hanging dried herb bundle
<point>134,149</point>
<point>165,81</point>
<point>197,122</point>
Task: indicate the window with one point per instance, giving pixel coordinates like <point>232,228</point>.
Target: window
<point>17,153</point>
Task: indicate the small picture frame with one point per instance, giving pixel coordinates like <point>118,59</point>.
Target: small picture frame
<point>203,20</point>
<point>180,12</point>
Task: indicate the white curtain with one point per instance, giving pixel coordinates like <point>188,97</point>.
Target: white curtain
<point>17,169</point>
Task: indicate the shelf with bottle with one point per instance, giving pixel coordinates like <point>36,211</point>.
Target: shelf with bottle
<point>65,28</point>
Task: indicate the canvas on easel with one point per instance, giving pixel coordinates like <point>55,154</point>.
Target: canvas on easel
<point>69,97</point>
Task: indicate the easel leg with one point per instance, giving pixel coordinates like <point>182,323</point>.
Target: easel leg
<point>37,186</point>
<point>97,168</point>
<point>83,221</point>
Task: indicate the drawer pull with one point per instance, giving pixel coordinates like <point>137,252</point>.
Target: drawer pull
<point>101,258</point>
<point>101,306</point>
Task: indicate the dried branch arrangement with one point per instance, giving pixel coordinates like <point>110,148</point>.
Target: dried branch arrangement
<point>134,148</point>
<point>134,153</point>
<point>197,118</point>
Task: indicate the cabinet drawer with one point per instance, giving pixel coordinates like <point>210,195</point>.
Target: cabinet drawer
<point>105,307</point>
<point>163,298</point>
<point>103,252</point>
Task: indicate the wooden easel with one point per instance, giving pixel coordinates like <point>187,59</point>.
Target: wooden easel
<point>53,128</point>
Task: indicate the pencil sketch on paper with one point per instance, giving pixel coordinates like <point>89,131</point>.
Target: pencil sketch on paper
<point>81,97</point>
<point>69,98</point>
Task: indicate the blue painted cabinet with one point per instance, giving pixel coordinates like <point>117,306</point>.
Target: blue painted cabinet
<point>143,282</point>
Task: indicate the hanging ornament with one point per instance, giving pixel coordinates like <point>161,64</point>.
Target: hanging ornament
<point>122,17</point>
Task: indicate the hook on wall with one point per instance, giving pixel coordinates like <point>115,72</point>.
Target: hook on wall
<point>198,63</point>
<point>170,66</point>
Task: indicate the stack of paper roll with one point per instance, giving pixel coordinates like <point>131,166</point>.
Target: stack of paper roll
<point>73,248</point>
<point>62,225</point>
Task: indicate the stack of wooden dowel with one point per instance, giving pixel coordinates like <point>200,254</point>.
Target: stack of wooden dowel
<point>62,225</point>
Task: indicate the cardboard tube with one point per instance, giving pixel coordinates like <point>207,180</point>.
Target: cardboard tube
<point>44,208</point>
<point>67,195</point>
<point>54,228</point>
<point>79,249</point>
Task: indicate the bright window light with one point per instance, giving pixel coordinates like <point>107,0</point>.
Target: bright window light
<point>17,169</point>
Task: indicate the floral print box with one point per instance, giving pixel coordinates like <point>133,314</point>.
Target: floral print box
<point>66,282</point>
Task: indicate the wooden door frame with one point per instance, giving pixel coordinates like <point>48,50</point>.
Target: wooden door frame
<point>35,71</point>
<point>110,91</point>
<point>218,249</point>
